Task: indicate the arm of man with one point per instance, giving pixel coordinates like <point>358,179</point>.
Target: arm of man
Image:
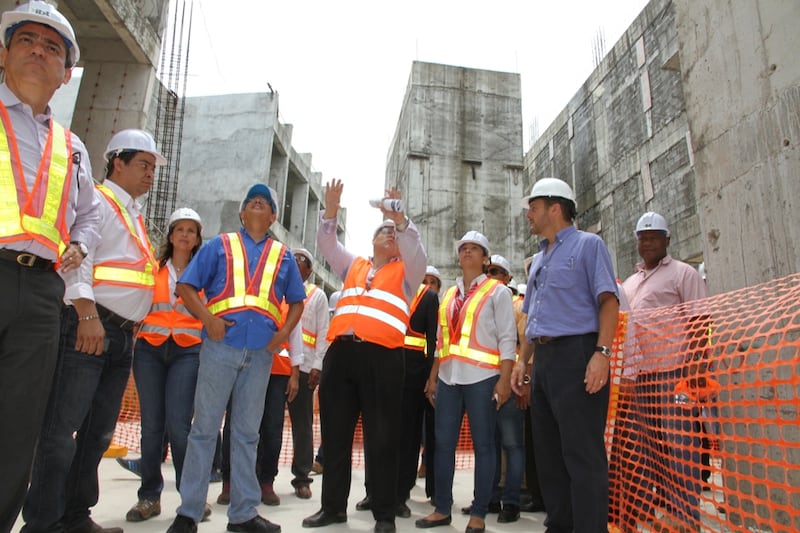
<point>215,326</point>
<point>334,252</point>
<point>322,321</point>
<point>292,318</point>
<point>597,369</point>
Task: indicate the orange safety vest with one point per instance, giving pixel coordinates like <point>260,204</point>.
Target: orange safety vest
<point>39,214</point>
<point>463,344</point>
<point>140,273</point>
<point>166,320</point>
<point>281,361</point>
<point>378,314</point>
<point>243,291</point>
<point>414,339</point>
<point>310,337</point>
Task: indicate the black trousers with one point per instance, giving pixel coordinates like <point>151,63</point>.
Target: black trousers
<point>30,318</point>
<point>361,378</point>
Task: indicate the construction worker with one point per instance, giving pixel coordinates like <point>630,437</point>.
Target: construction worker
<point>363,369</point>
<point>167,355</point>
<point>48,220</point>
<point>106,299</point>
<point>572,312</point>
<point>301,411</point>
<point>476,351</point>
<point>245,276</point>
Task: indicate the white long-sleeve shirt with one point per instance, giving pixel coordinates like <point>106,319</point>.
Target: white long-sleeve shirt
<point>316,319</point>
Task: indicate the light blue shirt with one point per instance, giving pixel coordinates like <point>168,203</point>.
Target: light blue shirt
<point>565,284</point>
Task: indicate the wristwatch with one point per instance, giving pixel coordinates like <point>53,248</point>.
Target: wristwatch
<point>605,350</point>
<point>82,247</point>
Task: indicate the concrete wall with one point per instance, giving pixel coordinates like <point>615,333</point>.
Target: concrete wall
<point>741,79</point>
<point>457,157</point>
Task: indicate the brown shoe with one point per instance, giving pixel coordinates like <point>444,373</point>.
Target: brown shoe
<point>206,513</point>
<point>316,468</point>
<point>144,510</point>
<point>421,472</point>
<point>90,526</point>
<point>268,496</point>
<point>224,497</point>
<point>303,492</point>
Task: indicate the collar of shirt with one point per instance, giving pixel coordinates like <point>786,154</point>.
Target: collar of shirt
<point>124,198</point>
<point>10,99</point>
<point>476,281</point>
<point>561,236</point>
<point>640,267</point>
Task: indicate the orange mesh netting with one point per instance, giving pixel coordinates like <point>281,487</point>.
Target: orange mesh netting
<point>702,431</point>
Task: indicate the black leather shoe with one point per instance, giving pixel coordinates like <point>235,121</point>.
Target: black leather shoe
<point>475,529</point>
<point>402,510</point>
<point>494,508</point>
<point>257,524</point>
<point>424,523</point>
<point>182,524</point>
<point>510,513</point>
<point>324,518</point>
<point>90,526</point>
<point>384,526</point>
<point>364,505</point>
<point>532,507</point>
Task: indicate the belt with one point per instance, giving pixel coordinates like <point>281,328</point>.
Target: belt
<point>26,259</point>
<point>122,323</point>
<point>349,338</point>
<point>544,340</point>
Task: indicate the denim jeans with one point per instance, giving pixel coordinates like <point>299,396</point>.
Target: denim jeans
<point>166,376</point>
<point>241,375</point>
<point>510,437</point>
<point>271,431</point>
<point>451,403</point>
<point>85,399</point>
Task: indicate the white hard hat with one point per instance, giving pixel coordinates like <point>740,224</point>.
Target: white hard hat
<point>133,140</point>
<point>652,221</point>
<point>549,187</point>
<point>431,270</point>
<point>47,15</point>
<point>502,262</point>
<point>333,300</point>
<point>305,253</point>
<point>475,237</point>
<point>522,288</point>
<point>185,213</point>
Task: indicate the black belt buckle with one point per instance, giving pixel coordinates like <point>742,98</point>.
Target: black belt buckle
<point>543,340</point>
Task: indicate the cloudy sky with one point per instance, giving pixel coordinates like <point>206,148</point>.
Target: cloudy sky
<point>341,67</point>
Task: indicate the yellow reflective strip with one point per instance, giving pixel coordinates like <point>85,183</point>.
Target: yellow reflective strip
<point>475,355</point>
<point>273,257</point>
<point>58,169</point>
<point>125,275</point>
<point>237,266</point>
<point>9,207</point>
<point>415,341</point>
<point>310,340</point>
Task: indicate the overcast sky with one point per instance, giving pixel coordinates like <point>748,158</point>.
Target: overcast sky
<point>341,67</point>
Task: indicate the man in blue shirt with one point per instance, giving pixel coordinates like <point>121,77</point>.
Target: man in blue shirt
<point>240,335</point>
<point>571,304</point>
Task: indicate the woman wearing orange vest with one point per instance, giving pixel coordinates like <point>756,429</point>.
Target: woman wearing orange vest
<point>477,349</point>
<point>165,363</point>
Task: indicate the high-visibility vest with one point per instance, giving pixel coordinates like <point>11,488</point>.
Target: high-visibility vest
<point>166,320</point>
<point>281,361</point>
<point>463,344</point>
<point>243,291</point>
<point>377,314</point>
<point>139,273</point>
<point>414,339</point>
<point>310,337</point>
<point>39,214</point>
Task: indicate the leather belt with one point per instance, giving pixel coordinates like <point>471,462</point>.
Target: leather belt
<point>122,323</point>
<point>544,340</point>
<point>26,259</point>
<point>349,338</point>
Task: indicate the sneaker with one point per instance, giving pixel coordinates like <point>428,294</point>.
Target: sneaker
<point>144,510</point>
<point>268,496</point>
<point>131,465</point>
<point>316,467</point>
<point>182,524</point>
<point>224,497</point>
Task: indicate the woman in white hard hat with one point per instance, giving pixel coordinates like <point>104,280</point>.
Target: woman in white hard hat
<point>165,363</point>
<point>477,348</point>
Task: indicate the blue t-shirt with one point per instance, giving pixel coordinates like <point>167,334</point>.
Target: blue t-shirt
<point>564,285</point>
<point>208,271</point>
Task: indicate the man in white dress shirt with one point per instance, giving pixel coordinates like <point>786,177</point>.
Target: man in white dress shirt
<point>106,298</point>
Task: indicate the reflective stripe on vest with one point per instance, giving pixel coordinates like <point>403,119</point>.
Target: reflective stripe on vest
<point>40,214</point>
<point>253,293</point>
<point>139,273</point>
<point>166,320</point>
<point>467,348</point>
<point>378,314</point>
<point>309,337</point>
<point>414,339</point>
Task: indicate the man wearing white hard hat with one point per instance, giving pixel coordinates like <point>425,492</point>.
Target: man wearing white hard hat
<point>363,369</point>
<point>106,299</point>
<point>660,281</point>
<point>476,346</point>
<point>572,311</point>
<point>42,160</point>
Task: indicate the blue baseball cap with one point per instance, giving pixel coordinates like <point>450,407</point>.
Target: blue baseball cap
<point>259,189</point>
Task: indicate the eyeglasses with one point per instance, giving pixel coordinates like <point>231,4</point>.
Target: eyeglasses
<point>29,39</point>
<point>494,271</point>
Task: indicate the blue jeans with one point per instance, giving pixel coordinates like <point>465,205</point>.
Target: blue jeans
<point>241,375</point>
<point>85,398</point>
<point>451,403</point>
<point>166,376</point>
<point>271,432</point>
<point>510,437</point>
